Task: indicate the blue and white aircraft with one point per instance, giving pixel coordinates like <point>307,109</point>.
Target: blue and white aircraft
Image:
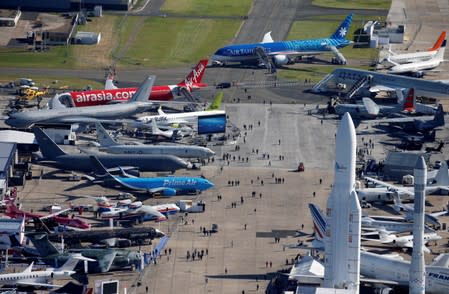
<point>271,54</point>
<point>166,186</point>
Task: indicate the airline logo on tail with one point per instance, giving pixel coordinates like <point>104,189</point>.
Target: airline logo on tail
<point>195,76</point>
<point>439,42</point>
<point>343,29</point>
<point>409,103</point>
<point>319,222</point>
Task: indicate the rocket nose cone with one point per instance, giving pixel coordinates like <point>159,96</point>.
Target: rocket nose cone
<point>345,140</point>
<point>420,163</point>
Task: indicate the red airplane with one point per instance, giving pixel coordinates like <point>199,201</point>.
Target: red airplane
<point>14,212</point>
<point>162,93</point>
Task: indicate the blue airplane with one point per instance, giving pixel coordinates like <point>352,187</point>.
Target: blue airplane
<point>165,186</point>
<point>271,54</point>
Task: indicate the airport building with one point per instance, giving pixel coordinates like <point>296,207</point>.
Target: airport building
<point>398,164</point>
<point>8,157</point>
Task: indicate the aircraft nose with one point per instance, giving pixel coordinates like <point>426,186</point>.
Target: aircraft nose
<point>208,184</point>
<point>159,234</point>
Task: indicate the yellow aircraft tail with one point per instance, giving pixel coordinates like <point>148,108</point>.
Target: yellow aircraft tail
<point>216,104</point>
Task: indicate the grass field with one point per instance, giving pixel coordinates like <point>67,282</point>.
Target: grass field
<point>354,4</point>
<point>54,82</point>
<point>314,73</point>
<point>166,42</point>
<point>57,56</point>
<point>207,7</point>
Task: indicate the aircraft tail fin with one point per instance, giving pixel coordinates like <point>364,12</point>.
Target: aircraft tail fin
<point>410,101</point>
<point>343,29</point>
<point>440,53</point>
<point>267,38</point>
<point>319,222</point>
<point>439,42</point>
<point>48,148</point>
<point>195,76</point>
<point>441,260</point>
<point>103,136</point>
<point>439,116</point>
<point>109,83</point>
<point>160,111</point>
<point>154,128</point>
<point>216,104</point>
<point>29,268</point>
<point>144,90</point>
<point>442,177</point>
<point>42,244</point>
<point>99,169</point>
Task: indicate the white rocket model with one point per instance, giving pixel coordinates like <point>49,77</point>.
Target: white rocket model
<point>342,240</point>
<point>417,267</point>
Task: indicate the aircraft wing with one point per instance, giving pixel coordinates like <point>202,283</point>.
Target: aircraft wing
<point>105,260</point>
<point>379,281</point>
<point>55,214</point>
<point>85,119</point>
<point>35,284</point>
<point>390,186</point>
<point>379,88</point>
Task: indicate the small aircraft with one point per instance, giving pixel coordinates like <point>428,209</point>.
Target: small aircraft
<point>14,212</point>
<point>166,186</point>
<point>404,241</point>
<point>41,278</point>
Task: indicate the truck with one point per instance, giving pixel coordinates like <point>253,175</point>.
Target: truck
<point>191,206</point>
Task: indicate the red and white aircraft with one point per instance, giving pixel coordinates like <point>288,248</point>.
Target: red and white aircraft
<point>112,94</point>
<point>14,212</point>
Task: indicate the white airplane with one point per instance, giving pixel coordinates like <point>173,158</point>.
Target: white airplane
<point>185,118</point>
<point>411,57</point>
<point>41,278</point>
<point>416,68</point>
<point>372,223</point>
<point>440,185</point>
<point>410,104</point>
<point>404,241</point>
<point>170,133</point>
<point>108,144</point>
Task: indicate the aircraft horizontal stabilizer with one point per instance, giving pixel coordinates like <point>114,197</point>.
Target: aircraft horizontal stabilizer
<point>34,284</point>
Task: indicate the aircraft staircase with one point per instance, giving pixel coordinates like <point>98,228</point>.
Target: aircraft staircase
<point>321,85</point>
<point>260,52</point>
<point>340,58</point>
<point>358,85</point>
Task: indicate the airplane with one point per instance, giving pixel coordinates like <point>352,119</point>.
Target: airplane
<point>375,82</point>
<point>422,124</point>
<point>105,205</point>
<point>385,269</point>
<point>108,144</point>
<point>188,118</point>
<point>410,57</point>
<point>273,54</point>
<point>105,259</point>
<point>411,106</point>
<point>116,237</point>
<point>166,186</point>
<point>416,68</point>
<point>403,241</point>
<point>367,110</point>
<point>85,115</point>
<point>81,162</point>
<point>41,278</point>
<point>14,212</point>
<point>111,94</point>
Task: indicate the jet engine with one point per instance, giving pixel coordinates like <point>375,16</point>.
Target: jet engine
<point>169,192</point>
<point>281,59</point>
<point>418,74</point>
